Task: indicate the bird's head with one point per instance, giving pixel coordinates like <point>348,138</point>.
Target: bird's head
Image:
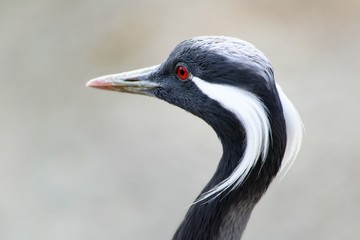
<point>225,81</point>
<point>196,70</point>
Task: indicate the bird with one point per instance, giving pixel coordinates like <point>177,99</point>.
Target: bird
<point>230,84</point>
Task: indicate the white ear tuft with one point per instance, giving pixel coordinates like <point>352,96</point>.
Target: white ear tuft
<point>252,113</point>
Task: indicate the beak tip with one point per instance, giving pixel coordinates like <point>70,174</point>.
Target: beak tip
<point>88,84</point>
<point>93,83</point>
<point>98,83</point>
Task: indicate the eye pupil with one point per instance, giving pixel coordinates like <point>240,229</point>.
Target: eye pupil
<point>182,73</point>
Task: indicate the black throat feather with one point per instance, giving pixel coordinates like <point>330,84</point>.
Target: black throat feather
<point>232,208</point>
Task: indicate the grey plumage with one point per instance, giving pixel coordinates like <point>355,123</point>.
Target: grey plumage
<point>229,84</point>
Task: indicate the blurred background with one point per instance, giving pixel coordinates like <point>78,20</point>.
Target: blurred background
<point>78,163</point>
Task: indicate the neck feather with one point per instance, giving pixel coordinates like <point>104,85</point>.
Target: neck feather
<point>226,215</point>
<point>253,149</point>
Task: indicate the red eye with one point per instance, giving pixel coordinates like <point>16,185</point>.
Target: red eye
<point>182,73</point>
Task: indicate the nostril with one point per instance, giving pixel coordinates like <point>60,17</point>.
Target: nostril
<point>132,80</point>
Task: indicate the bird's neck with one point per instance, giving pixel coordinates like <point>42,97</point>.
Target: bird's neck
<point>226,215</point>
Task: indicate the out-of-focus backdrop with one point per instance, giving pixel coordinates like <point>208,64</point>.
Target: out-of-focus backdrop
<point>78,163</point>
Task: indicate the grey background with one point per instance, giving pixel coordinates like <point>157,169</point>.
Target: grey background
<point>77,163</point>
